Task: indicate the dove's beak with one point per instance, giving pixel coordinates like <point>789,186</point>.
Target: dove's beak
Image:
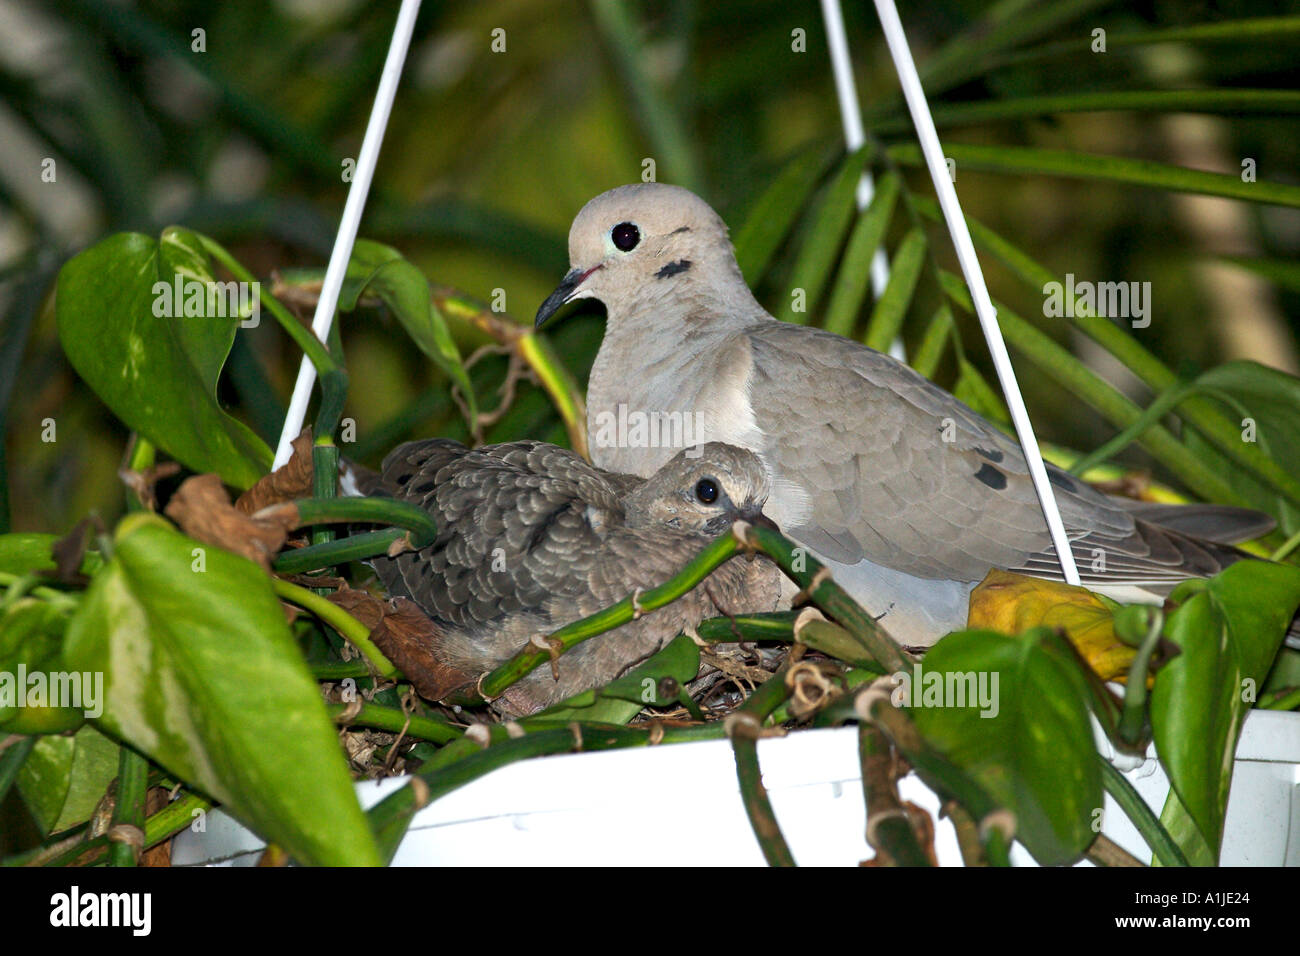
<point>565,292</point>
<point>754,515</point>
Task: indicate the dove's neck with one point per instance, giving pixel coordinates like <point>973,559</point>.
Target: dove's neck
<point>652,389</point>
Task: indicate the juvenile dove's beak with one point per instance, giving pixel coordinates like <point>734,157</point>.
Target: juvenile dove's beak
<point>565,292</point>
<point>755,515</point>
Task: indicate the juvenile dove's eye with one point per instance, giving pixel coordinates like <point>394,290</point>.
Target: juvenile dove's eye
<point>706,490</point>
<point>625,236</point>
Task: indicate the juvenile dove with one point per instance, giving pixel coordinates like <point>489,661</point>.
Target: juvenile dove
<point>909,495</point>
<point>531,537</point>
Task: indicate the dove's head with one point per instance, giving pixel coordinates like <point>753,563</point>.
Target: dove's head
<point>703,489</point>
<point>636,244</point>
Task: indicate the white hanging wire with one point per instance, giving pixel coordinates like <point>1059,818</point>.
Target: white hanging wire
<point>851,116</point>
<point>970,267</point>
<point>352,209</point>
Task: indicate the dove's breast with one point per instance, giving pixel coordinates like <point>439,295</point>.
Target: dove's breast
<point>648,402</point>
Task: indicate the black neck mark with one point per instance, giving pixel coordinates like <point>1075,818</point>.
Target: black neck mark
<point>681,265</point>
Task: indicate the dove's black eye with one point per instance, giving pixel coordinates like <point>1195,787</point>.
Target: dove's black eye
<point>625,235</point>
<point>706,490</point>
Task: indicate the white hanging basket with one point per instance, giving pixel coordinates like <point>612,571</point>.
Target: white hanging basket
<point>680,804</point>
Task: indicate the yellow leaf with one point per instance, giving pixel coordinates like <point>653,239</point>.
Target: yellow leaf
<point>1013,603</point>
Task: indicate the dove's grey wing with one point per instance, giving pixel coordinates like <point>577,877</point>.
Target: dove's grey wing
<point>888,467</point>
<point>518,525</point>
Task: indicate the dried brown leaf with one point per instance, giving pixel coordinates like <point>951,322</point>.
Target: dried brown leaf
<point>70,550</point>
<point>203,510</point>
<point>289,482</point>
<point>407,638</point>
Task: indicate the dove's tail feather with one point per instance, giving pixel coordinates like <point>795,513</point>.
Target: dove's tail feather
<point>1161,553</point>
<point>1223,524</point>
<point>1153,556</point>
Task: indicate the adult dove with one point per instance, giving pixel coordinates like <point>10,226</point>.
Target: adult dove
<point>531,537</point>
<point>909,495</point>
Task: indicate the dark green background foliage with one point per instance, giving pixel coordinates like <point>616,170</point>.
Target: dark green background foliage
<point>489,155</point>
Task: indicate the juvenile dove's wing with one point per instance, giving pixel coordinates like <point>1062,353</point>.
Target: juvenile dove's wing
<point>518,525</point>
<point>891,468</point>
<point>530,538</point>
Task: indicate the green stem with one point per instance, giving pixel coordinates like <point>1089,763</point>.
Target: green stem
<point>744,727</point>
<point>834,641</point>
<point>395,720</point>
<point>174,818</point>
<point>1162,845</point>
<point>889,831</point>
<point>559,386</point>
<point>1133,716</point>
<point>11,761</point>
<point>16,591</point>
<point>1289,545</point>
<point>809,573</point>
<point>128,811</point>
<point>1164,403</point>
<point>1285,700</point>
<point>355,547</point>
<point>721,549</point>
<point>535,351</point>
<point>777,626</point>
<point>800,567</point>
<point>338,670</point>
<point>163,825</point>
<point>391,511</point>
<point>141,459</point>
<point>767,697</point>
<point>324,481</point>
<point>758,807</point>
<point>343,622</point>
<point>938,773</point>
<point>22,583</point>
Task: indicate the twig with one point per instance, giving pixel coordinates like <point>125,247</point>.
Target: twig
<point>1106,852</point>
<point>535,352</point>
